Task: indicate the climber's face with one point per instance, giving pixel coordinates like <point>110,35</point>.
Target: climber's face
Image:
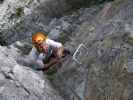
<point>38,39</point>
<point>38,43</point>
<point>38,46</point>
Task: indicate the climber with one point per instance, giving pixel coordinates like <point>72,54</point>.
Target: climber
<point>47,52</point>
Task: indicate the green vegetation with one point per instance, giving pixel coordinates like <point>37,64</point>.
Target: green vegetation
<point>81,3</point>
<point>50,77</point>
<point>2,40</point>
<point>51,73</point>
<point>130,40</point>
<point>117,2</point>
<point>19,11</point>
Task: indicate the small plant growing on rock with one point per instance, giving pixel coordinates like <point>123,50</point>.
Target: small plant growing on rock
<point>19,11</point>
<point>2,40</point>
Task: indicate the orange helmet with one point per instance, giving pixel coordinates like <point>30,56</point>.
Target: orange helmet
<point>38,37</point>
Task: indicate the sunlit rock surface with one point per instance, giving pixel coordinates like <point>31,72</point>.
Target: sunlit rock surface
<point>21,82</point>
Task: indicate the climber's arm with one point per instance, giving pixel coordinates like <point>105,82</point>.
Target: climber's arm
<point>30,60</point>
<point>36,59</point>
<point>54,43</point>
<point>51,62</point>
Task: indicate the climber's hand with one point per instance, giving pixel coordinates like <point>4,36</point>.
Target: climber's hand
<point>45,67</point>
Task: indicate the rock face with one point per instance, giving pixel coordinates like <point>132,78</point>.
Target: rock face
<point>105,73</point>
<point>19,82</point>
<point>20,19</point>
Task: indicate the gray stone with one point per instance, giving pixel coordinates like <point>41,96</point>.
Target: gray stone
<point>20,82</point>
<point>102,75</point>
<point>54,33</point>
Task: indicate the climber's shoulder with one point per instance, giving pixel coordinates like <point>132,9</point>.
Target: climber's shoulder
<point>33,52</point>
<point>53,43</point>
